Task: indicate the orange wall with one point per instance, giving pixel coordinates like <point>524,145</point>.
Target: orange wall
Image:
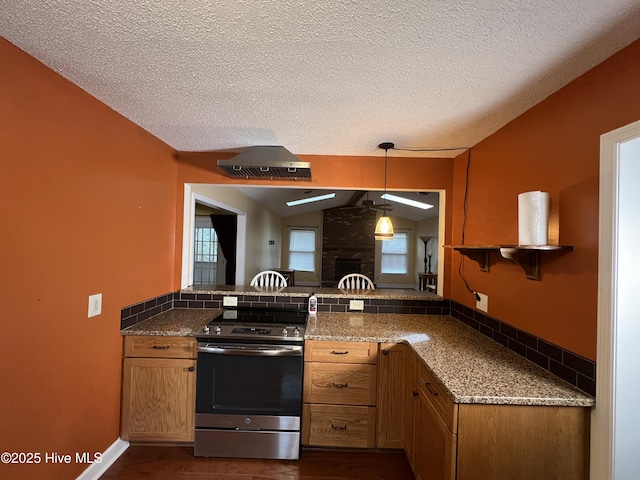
<point>349,172</point>
<point>553,147</point>
<point>87,206</point>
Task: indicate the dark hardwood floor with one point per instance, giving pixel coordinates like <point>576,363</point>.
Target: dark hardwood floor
<point>178,463</point>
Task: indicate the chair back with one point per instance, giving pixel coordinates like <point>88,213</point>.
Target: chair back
<point>269,278</point>
<point>356,281</point>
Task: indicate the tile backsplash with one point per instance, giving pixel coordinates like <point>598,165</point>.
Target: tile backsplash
<point>578,371</point>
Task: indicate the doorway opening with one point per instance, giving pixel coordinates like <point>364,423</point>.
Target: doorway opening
<point>614,439</point>
<point>193,200</point>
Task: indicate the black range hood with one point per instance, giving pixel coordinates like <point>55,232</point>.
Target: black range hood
<point>274,162</point>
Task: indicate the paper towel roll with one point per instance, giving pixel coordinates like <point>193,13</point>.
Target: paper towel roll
<point>533,218</point>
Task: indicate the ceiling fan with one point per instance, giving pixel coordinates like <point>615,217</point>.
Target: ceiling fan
<point>365,204</point>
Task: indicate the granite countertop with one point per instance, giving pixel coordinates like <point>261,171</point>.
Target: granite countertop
<point>320,292</point>
<point>471,367</point>
<point>178,322</point>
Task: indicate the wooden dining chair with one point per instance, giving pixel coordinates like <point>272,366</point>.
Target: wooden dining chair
<point>356,281</point>
<point>269,278</point>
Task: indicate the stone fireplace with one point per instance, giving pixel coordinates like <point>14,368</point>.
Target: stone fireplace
<point>348,245</point>
<point>344,266</point>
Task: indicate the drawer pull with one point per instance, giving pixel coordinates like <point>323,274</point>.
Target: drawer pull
<point>339,385</point>
<point>338,427</point>
<point>428,385</point>
<point>161,347</point>
<point>415,394</point>
<point>339,353</point>
<point>191,369</point>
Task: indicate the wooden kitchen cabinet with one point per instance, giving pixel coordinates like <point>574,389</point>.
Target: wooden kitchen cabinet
<point>328,351</point>
<point>435,433</point>
<point>390,403</point>
<point>338,425</point>
<point>435,445</point>
<point>340,383</point>
<point>443,440</point>
<point>410,407</point>
<point>158,389</point>
<point>523,442</point>
<point>339,394</point>
<point>494,442</point>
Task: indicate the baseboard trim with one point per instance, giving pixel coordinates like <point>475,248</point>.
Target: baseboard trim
<point>109,456</point>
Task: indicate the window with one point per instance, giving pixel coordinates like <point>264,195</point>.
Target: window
<point>205,252</point>
<point>394,254</point>
<point>302,250</point>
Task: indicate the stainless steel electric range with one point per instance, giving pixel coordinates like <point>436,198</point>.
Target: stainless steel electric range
<point>249,384</point>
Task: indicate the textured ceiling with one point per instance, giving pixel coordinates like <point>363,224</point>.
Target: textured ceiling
<point>320,76</point>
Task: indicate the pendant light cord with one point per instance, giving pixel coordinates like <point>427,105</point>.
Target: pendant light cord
<point>465,202</point>
<point>385,146</point>
<point>384,208</point>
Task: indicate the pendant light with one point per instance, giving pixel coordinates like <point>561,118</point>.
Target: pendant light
<point>384,228</point>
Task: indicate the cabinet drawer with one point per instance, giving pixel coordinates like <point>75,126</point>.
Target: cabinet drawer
<point>159,347</point>
<point>340,352</point>
<point>438,397</point>
<point>338,426</point>
<point>341,384</point>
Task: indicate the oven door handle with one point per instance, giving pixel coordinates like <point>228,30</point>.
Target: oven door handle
<point>295,351</point>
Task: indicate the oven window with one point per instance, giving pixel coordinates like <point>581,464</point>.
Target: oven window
<point>236,384</point>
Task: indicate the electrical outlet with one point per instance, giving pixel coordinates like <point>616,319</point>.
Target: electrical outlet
<point>356,305</point>
<point>483,303</point>
<point>229,301</point>
<point>95,305</point>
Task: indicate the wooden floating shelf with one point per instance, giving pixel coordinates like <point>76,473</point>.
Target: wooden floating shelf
<point>527,256</point>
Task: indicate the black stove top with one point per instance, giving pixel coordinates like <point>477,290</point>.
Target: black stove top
<point>253,324</point>
<point>262,316</point>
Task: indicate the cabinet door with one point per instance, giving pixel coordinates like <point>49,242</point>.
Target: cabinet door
<point>435,444</point>
<point>391,394</point>
<point>523,442</point>
<point>411,407</point>
<point>158,399</point>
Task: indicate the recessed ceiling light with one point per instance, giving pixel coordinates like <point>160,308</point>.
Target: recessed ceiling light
<point>406,201</point>
<point>327,196</point>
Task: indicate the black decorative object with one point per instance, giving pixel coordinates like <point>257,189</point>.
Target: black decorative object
<point>427,254</point>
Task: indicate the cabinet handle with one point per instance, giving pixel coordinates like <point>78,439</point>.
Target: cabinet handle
<point>415,394</point>
<point>385,352</point>
<point>428,385</point>
<point>339,385</point>
<point>161,347</point>
<point>191,369</point>
<point>338,427</point>
<point>339,353</point>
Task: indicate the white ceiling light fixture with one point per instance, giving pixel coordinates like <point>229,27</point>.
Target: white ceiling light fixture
<point>384,228</point>
<point>406,201</point>
<point>317,198</point>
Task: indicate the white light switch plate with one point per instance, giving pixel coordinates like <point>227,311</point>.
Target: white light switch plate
<point>229,301</point>
<point>356,305</point>
<point>95,305</point>
<point>483,303</point>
